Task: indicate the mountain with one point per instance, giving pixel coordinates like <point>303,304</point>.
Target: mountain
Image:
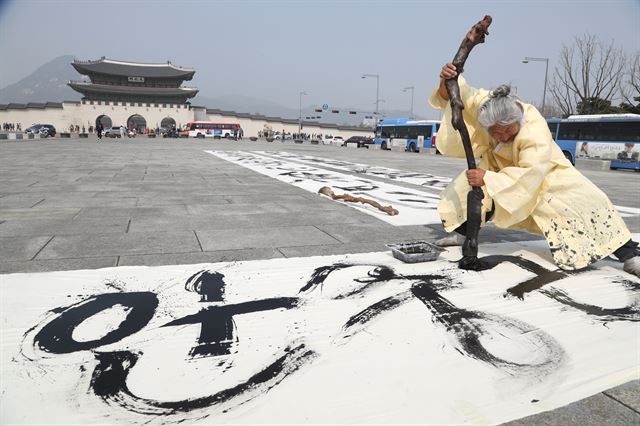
<point>47,83</point>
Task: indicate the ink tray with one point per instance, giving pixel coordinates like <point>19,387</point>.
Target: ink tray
<point>415,251</point>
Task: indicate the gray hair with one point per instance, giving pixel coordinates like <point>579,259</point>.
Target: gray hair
<point>501,108</point>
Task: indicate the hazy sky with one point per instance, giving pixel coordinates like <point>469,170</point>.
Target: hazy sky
<point>273,49</point>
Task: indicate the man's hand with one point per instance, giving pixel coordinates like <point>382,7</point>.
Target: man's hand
<point>448,71</point>
<point>475,177</point>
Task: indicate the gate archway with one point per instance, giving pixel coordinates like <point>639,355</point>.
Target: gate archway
<point>138,123</point>
<point>167,123</point>
<point>104,120</point>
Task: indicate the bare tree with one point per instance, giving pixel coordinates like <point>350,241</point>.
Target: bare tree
<point>588,75</point>
<point>630,87</point>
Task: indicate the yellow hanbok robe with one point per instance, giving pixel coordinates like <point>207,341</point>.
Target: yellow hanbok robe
<point>531,184</point>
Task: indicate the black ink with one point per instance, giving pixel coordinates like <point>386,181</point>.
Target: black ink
<point>320,274</point>
<point>468,327</point>
<point>627,313</point>
<point>109,382</point>
<point>400,193</point>
<point>416,201</point>
<point>355,188</point>
<point>543,275</point>
<point>217,326</point>
<point>356,322</point>
<point>56,336</point>
<point>379,273</point>
<point>210,285</point>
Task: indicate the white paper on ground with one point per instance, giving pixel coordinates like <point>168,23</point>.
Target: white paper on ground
<point>415,207</point>
<point>425,180</point>
<point>349,339</point>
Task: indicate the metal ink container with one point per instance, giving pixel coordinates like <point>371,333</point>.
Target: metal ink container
<point>415,251</point>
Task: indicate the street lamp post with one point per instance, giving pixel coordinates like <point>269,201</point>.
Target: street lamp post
<point>412,89</point>
<point>377,76</point>
<point>546,72</point>
<point>300,114</point>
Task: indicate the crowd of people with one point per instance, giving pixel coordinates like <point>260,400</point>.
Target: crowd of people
<point>12,127</point>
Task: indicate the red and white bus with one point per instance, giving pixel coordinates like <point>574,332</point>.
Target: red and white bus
<point>209,129</point>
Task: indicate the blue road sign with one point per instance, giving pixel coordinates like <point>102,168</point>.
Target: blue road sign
<point>325,106</point>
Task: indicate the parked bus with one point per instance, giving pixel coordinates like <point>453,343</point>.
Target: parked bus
<point>411,134</point>
<point>599,136</point>
<point>207,129</point>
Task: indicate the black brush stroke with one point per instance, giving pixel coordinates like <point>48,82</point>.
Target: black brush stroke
<point>627,313</point>
<point>56,336</point>
<point>109,382</point>
<point>369,313</point>
<point>467,327</point>
<point>209,285</point>
<point>543,275</point>
<point>217,331</point>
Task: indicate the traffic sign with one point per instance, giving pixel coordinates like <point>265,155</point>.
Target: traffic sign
<point>325,107</point>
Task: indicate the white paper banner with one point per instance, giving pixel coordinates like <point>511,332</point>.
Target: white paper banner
<point>425,180</point>
<point>351,339</point>
<point>415,207</point>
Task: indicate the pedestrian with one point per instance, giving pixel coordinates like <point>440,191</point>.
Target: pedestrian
<point>527,182</point>
<point>99,131</point>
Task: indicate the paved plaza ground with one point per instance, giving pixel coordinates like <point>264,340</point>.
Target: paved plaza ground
<point>71,204</point>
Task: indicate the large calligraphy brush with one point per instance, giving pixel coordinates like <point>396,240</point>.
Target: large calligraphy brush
<point>474,198</point>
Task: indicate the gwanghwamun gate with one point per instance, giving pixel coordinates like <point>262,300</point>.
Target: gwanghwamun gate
<point>145,96</point>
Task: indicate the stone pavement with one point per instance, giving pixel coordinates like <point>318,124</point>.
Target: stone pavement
<point>81,204</point>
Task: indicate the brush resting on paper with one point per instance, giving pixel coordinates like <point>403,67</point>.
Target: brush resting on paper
<point>325,190</point>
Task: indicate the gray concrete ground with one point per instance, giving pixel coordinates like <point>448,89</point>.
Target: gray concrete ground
<point>68,204</point>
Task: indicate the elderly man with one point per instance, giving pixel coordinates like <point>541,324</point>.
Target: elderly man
<point>528,184</point>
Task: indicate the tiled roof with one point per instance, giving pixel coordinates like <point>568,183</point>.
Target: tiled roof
<point>84,87</point>
<point>133,69</point>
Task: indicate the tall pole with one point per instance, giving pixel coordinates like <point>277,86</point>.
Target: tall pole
<point>300,114</point>
<point>377,93</point>
<point>412,89</point>
<point>377,76</point>
<point>546,73</point>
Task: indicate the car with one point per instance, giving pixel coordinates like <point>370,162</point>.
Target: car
<point>33,129</point>
<point>47,129</point>
<point>338,140</point>
<point>114,132</point>
<point>327,139</point>
<point>360,141</point>
<point>287,136</point>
